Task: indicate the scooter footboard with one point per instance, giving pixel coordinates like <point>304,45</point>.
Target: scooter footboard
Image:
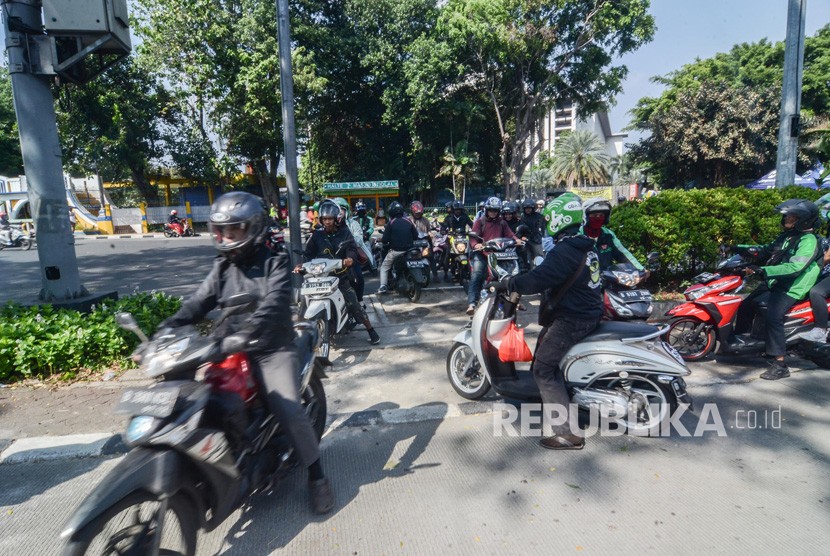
<point>159,472</point>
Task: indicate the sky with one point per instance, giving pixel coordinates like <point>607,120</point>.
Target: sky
<point>690,29</point>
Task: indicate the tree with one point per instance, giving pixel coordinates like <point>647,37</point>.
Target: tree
<point>460,166</point>
<point>580,159</point>
<point>714,134</point>
<point>11,162</point>
<point>536,181</point>
<point>113,125</point>
<point>523,55</point>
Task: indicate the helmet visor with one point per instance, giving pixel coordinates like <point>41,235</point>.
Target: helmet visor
<point>230,235</point>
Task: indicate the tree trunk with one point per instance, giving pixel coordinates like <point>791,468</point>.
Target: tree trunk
<point>149,192</point>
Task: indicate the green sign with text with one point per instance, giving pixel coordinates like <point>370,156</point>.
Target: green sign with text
<point>360,185</point>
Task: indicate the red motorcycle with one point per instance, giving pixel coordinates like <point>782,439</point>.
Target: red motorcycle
<point>709,316</point>
<point>178,229</point>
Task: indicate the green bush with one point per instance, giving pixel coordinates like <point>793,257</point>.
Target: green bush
<point>687,227</point>
<point>41,340</point>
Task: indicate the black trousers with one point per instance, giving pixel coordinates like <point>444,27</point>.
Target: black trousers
<point>353,305</point>
<point>278,373</point>
<point>554,342</point>
<point>818,301</point>
<point>778,303</point>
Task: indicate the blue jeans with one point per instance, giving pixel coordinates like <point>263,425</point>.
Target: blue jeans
<point>478,270</point>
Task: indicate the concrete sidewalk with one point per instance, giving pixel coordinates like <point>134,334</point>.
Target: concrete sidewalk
<point>401,380</point>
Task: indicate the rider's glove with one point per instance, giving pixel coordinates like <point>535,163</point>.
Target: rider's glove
<point>233,343</point>
<point>754,269</point>
<point>503,285</point>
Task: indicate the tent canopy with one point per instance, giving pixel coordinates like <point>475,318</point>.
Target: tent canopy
<point>767,181</point>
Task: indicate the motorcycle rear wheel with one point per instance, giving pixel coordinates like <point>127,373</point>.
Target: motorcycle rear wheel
<point>26,244</point>
<point>135,521</point>
<point>470,387</point>
<point>691,345</point>
<point>413,290</point>
<point>657,395</point>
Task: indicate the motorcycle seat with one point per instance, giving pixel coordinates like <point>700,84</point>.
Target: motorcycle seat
<point>613,330</point>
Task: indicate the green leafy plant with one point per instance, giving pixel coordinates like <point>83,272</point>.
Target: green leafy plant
<point>40,341</point>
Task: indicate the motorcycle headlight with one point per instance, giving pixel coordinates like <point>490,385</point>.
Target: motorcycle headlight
<point>425,252</point>
<point>461,247</point>
<point>625,278</point>
<point>315,268</point>
<point>139,427</point>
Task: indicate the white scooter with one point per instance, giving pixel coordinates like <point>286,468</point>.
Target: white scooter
<point>622,369</point>
<point>321,301</point>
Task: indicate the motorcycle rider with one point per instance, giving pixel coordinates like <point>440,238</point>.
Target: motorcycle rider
<point>533,220</point>
<point>456,222</point>
<point>789,272</point>
<point>174,217</point>
<point>818,298</point>
<point>416,211</point>
<point>5,228</point>
<point>357,232</point>
<point>481,211</point>
<point>327,242</point>
<point>568,316</point>
<point>238,224</point>
<point>508,213</point>
<point>399,235</point>
<point>610,249</point>
<point>491,226</point>
<point>366,222</point>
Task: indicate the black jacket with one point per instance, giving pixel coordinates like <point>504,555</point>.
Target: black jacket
<point>264,274</point>
<point>457,224</point>
<point>324,245</point>
<point>536,223</point>
<point>399,234</point>
<point>584,298</point>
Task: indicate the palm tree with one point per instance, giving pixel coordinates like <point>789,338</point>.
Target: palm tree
<point>460,166</point>
<point>580,159</point>
<point>537,180</point>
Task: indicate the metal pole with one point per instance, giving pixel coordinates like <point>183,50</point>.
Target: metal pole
<point>791,94</point>
<point>289,136</point>
<point>39,145</point>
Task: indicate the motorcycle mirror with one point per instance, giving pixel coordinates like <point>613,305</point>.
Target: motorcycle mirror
<point>128,322</point>
<point>522,229</point>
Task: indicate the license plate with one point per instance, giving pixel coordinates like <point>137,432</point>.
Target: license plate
<point>412,264</point>
<point>312,287</point>
<point>635,295</point>
<point>505,255</point>
<point>705,277</point>
<point>155,402</point>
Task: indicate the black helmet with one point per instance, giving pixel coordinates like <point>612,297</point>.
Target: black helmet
<point>360,208</point>
<point>806,212</point>
<point>330,209</point>
<point>528,203</point>
<point>510,206</point>
<point>241,215</point>
<point>395,209</point>
<point>457,205</point>
<point>448,206</point>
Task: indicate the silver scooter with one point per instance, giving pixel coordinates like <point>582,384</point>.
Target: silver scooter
<point>622,369</point>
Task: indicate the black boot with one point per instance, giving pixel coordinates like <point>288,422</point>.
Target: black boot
<point>322,496</point>
<point>777,369</point>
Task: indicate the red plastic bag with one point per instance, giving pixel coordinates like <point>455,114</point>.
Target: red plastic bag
<point>513,346</point>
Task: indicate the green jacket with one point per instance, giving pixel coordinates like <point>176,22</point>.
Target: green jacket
<point>791,263</point>
<point>611,251</point>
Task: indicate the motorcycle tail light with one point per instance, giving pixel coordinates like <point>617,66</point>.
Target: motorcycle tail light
<point>233,375</point>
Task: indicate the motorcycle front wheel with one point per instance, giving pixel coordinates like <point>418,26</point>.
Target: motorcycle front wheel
<point>467,380</point>
<point>314,401</point>
<point>692,338</point>
<point>168,233</point>
<point>25,244</point>
<point>135,524</point>
<point>323,342</point>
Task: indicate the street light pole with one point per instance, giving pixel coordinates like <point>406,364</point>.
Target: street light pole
<point>289,135</point>
<point>791,94</point>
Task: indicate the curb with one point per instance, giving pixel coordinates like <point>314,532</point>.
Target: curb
<point>93,445</point>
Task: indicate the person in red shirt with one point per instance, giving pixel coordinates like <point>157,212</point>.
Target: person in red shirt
<point>490,226</point>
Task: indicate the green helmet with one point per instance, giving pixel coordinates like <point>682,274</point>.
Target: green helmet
<point>563,212</point>
<point>344,204</point>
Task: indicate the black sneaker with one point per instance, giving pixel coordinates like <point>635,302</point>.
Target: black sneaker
<point>776,370</point>
<point>374,339</point>
<point>322,496</point>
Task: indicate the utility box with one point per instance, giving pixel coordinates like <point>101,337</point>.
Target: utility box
<point>89,19</point>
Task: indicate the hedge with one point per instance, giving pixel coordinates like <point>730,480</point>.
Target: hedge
<point>42,340</point>
<point>688,227</point>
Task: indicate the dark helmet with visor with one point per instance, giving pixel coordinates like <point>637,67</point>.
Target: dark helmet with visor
<point>238,222</point>
<point>806,211</point>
